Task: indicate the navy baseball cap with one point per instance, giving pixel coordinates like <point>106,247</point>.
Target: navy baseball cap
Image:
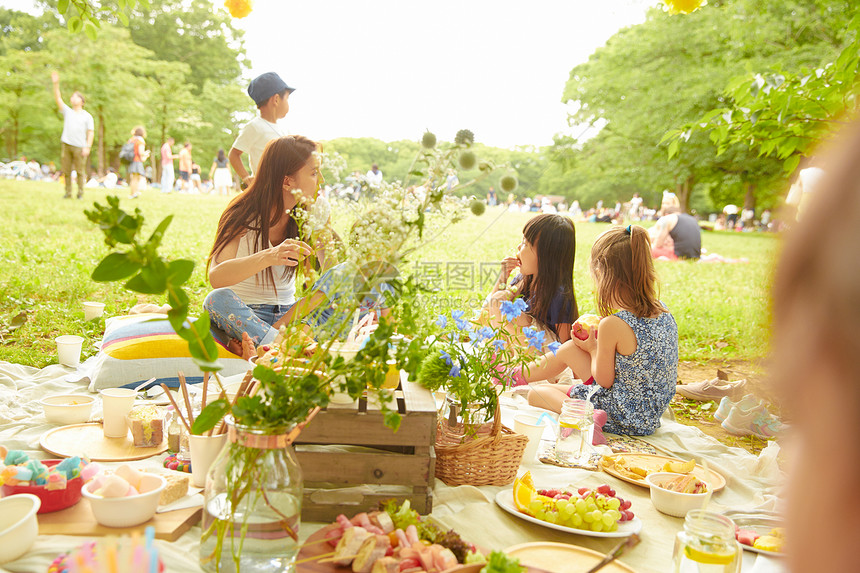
<point>265,86</point>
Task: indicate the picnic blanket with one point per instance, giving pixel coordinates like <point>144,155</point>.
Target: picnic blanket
<point>752,482</point>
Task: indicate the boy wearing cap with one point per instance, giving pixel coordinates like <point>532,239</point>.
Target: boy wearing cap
<point>271,94</point>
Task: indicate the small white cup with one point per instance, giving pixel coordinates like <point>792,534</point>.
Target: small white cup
<point>69,349</point>
<point>116,404</point>
<point>531,427</point>
<point>204,449</point>
<point>93,310</point>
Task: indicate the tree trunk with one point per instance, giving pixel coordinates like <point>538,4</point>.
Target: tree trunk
<point>749,198</point>
<point>102,161</point>
<point>683,190</point>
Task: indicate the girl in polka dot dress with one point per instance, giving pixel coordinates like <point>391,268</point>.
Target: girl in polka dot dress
<point>634,361</point>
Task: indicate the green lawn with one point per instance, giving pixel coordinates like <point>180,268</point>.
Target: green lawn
<point>48,250</point>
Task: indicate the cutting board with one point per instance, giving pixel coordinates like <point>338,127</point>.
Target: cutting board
<point>79,520</point>
<point>89,440</point>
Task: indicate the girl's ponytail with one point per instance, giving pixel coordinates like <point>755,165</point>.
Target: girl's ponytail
<point>622,256</point>
<point>643,277</point>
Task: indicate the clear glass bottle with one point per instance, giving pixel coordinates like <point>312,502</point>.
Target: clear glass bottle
<point>575,431</point>
<point>174,431</point>
<point>253,504</point>
<point>707,544</point>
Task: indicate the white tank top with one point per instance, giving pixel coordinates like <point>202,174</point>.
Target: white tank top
<point>255,289</point>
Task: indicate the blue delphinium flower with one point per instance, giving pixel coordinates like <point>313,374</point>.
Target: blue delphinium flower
<point>461,323</point>
<point>553,347</point>
<point>446,356</point>
<point>457,314</point>
<point>455,370</point>
<point>442,321</point>
<point>485,333</point>
<point>535,337</point>
<point>512,309</point>
<point>499,344</point>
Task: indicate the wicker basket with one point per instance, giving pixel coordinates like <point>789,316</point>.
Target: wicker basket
<point>491,457</point>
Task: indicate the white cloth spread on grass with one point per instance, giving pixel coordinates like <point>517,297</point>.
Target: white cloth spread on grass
<point>752,482</point>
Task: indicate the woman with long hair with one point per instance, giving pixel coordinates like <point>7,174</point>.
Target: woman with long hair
<point>258,245</point>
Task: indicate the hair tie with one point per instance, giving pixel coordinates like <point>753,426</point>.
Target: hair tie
<point>627,230</point>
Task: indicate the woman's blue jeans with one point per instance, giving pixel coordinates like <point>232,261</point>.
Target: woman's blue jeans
<point>230,317</point>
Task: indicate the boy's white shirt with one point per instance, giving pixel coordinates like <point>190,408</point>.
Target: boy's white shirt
<point>254,137</point>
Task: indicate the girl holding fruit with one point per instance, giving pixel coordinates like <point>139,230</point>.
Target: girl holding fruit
<point>634,362</point>
<point>545,280</point>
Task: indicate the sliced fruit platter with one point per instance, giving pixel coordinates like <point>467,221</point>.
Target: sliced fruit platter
<point>760,532</point>
<point>634,468</point>
<point>596,512</point>
<point>395,539</point>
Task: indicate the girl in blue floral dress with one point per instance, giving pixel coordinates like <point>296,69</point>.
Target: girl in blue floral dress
<point>634,361</point>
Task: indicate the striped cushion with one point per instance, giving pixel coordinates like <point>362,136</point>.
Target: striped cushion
<point>138,347</point>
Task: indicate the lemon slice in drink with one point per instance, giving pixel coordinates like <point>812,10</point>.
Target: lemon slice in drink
<point>707,557</point>
<point>569,425</point>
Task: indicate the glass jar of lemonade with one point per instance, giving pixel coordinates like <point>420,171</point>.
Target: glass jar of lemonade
<point>575,431</point>
<point>707,544</point>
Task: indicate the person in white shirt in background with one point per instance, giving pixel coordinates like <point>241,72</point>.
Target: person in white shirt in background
<point>271,94</point>
<point>168,177</point>
<point>731,212</point>
<point>374,177</point>
<point>77,137</point>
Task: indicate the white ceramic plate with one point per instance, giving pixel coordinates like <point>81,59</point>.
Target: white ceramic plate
<point>505,499</point>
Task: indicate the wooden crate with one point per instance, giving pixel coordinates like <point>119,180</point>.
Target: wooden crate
<point>401,463</point>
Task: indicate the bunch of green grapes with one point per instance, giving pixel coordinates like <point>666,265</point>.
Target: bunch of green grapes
<point>594,510</point>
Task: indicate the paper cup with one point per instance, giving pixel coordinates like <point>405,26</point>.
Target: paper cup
<point>532,428</point>
<point>204,449</point>
<point>69,349</point>
<point>116,404</point>
<point>93,310</point>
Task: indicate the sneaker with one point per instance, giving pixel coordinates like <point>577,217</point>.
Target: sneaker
<point>748,402</point>
<point>756,421</point>
<point>712,389</point>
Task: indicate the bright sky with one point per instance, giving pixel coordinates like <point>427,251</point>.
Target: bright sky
<point>392,68</point>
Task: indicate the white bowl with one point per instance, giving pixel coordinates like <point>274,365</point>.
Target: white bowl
<point>672,502</point>
<point>67,408</point>
<point>124,511</point>
<point>18,525</point>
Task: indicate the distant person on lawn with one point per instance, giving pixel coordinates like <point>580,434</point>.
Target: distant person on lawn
<point>271,94</point>
<point>77,137</point>
<point>168,177</point>
<point>677,236</point>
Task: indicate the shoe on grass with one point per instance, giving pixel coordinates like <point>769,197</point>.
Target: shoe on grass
<point>726,406</point>
<point>755,421</point>
<point>715,389</point>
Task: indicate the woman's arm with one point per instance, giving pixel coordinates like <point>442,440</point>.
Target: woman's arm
<point>212,169</point>
<point>227,270</point>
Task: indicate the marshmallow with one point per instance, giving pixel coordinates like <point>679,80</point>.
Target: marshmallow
<point>113,486</point>
<point>129,474</point>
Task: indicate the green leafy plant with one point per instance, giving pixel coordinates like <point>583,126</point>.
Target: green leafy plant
<point>781,113</point>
